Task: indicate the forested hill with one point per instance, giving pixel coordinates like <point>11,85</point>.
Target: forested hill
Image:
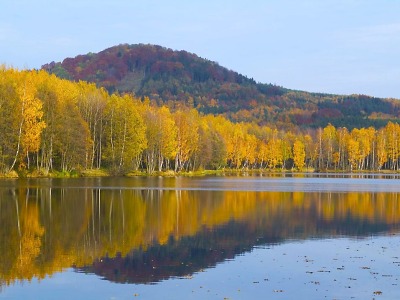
<point>169,77</point>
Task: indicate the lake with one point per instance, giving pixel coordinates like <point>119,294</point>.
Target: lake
<point>292,236</point>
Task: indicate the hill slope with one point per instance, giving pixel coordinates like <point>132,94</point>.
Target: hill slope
<point>170,77</point>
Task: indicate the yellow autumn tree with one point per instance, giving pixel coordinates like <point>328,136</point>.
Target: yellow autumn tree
<point>124,131</point>
<point>187,124</point>
<point>236,149</point>
<point>329,137</point>
<point>161,135</point>
<point>392,131</point>
<point>91,103</point>
<point>353,150</point>
<point>31,124</point>
<point>299,154</point>
<point>381,149</point>
<point>274,153</point>
<point>250,148</point>
<point>343,135</point>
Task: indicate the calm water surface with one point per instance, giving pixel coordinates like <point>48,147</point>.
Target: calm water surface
<point>292,237</point>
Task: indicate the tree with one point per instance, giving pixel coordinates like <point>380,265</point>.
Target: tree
<point>33,124</point>
<point>47,92</point>
<point>237,141</point>
<point>392,131</point>
<point>353,149</point>
<point>9,118</point>
<point>168,143</point>
<point>161,135</point>
<point>299,154</point>
<point>365,137</point>
<point>187,123</point>
<point>343,135</point>
<point>72,136</point>
<point>381,148</point>
<point>286,148</point>
<point>329,137</point>
<point>213,142</point>
<point>124,131</point>
<point>274,152</point>
<point>92,102</point>
<point>250,148</point>
<point>29,114</point>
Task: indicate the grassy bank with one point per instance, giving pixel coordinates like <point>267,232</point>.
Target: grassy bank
<point>171,173</point>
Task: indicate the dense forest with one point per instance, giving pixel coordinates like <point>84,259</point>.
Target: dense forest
<point>174,77</point>
<point>48,124</point>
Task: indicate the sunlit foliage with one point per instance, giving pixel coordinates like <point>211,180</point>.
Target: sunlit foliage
<point>49,125</point>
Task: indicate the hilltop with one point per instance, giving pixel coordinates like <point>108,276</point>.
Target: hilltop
<point>172,77</point>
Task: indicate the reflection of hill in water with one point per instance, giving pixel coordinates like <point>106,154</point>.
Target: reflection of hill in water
<point>176,258</point>
<point>121,233</point>
<point>189,255</point>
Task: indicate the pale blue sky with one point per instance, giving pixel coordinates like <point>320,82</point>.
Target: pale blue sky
<point>333,46</point>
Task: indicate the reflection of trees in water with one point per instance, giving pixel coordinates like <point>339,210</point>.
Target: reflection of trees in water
<point>21,242</point>
<point>47,229</point>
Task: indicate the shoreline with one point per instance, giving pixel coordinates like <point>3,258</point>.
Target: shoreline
<point>222,172</point>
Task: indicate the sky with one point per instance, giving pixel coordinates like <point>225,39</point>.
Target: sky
<point>328,46</point>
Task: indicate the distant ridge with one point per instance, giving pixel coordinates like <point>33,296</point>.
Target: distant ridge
<point>172,77</point>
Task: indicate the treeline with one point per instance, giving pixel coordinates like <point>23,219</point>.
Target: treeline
<point>49,124</point>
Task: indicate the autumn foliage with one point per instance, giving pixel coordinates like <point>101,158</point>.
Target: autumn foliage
<point>173,78</point>
<point>50,124</point>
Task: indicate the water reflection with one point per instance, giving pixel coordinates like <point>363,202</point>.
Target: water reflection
<point>132,234</point>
